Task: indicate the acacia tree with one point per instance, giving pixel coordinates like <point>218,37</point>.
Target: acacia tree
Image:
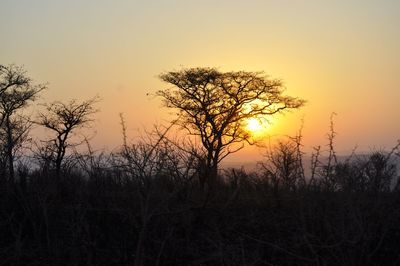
<point>215,105</point>
<point>16,92</point>
<point>62,119</point>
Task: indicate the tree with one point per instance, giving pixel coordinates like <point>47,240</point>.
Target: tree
<point>63,119</point>
<point>283,166</point>
<point>214,106</point>
<point>16,92</point>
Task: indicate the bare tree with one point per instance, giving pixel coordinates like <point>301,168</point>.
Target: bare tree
<point>16,92</point>
<point>214,106</point>
<point>283,168</point>
<point>62,119</point>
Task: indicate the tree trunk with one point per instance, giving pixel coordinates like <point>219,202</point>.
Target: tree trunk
<point>140,247</point>
<point>10,147</point>
<point>10,166</point>
<point>59,156</point>
<point>58,168</point>
<point>212,171</point>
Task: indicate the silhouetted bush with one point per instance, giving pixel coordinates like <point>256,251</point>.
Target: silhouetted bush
<point>143,206</point>
<point>147,203</point>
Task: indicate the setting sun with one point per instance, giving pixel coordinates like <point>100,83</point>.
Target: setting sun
<point>257,127</point>
<point>254,125</point>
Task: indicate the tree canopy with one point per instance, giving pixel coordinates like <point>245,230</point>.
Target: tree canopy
<point>16,92</point>
<point>214,105</point>
<point>62,119</point>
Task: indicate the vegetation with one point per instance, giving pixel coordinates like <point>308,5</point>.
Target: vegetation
<point>144,205</point>
<point>16,91</point>
<point>214,106</point>
<point>62,119</point>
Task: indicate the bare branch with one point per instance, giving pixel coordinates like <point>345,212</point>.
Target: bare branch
<point>214,105</point>
<point>63,119</point>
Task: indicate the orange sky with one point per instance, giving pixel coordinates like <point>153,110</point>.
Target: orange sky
<point>341,56</point>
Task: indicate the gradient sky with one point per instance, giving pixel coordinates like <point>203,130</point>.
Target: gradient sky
<point>341,56</point>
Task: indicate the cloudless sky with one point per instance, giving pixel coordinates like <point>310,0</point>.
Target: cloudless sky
<point>341,56</point>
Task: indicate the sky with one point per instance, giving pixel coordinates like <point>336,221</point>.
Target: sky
<point>340,56</point>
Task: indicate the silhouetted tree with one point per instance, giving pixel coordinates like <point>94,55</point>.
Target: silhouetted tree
<point>214,106</point>
<point>379,172</point>
<point>348,176</point>
<point>374,173</point>
<point>63,119</point>
<point>16,91</point>
<point>283,168</point>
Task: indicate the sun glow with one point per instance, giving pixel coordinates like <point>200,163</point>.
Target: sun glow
<point>254,125</point>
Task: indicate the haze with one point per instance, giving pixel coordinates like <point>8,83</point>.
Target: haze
<point>341,56</point>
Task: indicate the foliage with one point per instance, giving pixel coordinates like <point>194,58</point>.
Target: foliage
<point>139,208</point>
<point>16,92</point>
<point>144,203</point>
<point>214,106</point>
<point>62,119</point>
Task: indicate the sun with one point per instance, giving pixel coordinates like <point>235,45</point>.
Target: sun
<point>257,127</point>
<point>253,125</point>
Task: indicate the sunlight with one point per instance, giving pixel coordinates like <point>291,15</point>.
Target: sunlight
<point>257,127</point>
<point>254,125</point>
